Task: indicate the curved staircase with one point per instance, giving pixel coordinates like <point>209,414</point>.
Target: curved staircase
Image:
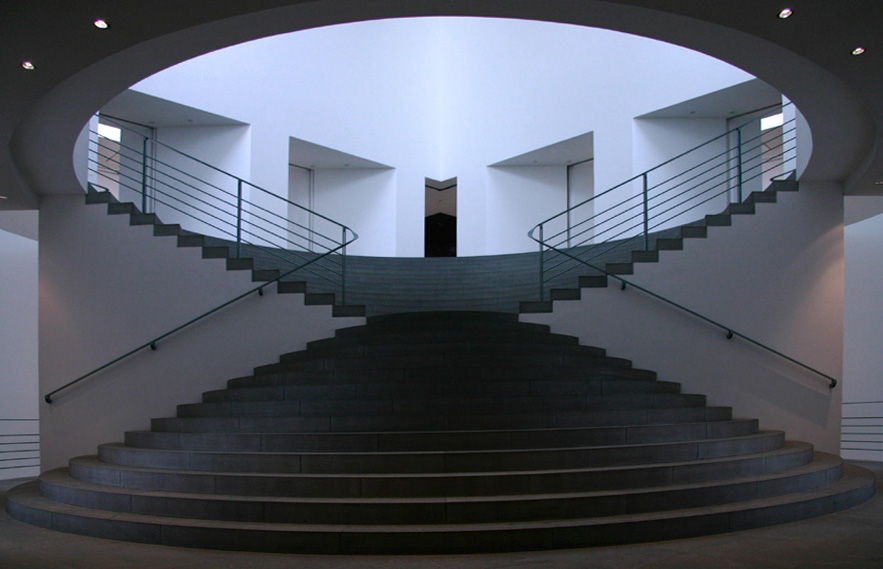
<point>440,432</point>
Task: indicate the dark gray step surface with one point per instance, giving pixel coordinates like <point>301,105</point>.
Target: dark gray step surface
<point>433,374</point>
<point>791,455</point>
<point>448,361</point>
<point>442,461</point>
<point>438,348</point>
<point>407,406</point>
<point>438,440</point>
<point>258,390</point>
<point>416,337</point>
<point>616,417</point>
<point>58,486</point>
<point>26,504</point>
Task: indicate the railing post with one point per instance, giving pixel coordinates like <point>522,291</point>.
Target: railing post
<point>542,276</point>
<point>144,175</point>
<point>239,218</point>
<point>343,268</point>
<point>739,165</point>
<point>646,214</point>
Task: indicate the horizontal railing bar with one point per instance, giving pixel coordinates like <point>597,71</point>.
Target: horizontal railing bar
<point>20,466</point>
<point>634,178</point>
<point>259,288</point>
<point>862,402</point>
<point>730,331</point>
<point>20,458</point>
<point>238,179</point>
<point>244,242</point>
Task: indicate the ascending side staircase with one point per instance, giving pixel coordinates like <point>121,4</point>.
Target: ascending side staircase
<point>443,432</point>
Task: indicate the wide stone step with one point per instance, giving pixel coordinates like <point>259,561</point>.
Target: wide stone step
<point>433,375</point>
<point>439,405</point>
<point>322,390</point>
<point>444,361</point>
<point>58,486</point>
<point>466,335</point>
<point>790,455</point>
<point>532,420</point>
<point>492,349</point>
<point>441,461</point>
<point>26,504</point>
<point>437,440</point>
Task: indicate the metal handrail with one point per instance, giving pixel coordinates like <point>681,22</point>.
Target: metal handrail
<point>638,212</point>
<point>731,333</point>
<point>660,203</point>
<point>185,193</point>
<point>124,179</point>
<point>152,344</point>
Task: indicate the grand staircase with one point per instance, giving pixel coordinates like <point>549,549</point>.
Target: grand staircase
<point>440,432</point>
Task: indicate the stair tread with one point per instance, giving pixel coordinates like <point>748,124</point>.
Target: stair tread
<point>854,478</point>
<point>787,448</point>
<point>820,462</point>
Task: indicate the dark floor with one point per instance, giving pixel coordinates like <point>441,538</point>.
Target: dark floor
<point>851,539</point>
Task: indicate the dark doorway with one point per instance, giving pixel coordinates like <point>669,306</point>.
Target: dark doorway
<point>440,228</point>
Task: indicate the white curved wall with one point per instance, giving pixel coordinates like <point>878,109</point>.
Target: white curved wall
<point>442,97</point>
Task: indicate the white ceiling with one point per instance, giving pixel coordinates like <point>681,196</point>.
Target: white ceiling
<point>316,157</point>
<point>152,111</point>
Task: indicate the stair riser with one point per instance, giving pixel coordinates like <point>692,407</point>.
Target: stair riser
<point>350,540</point>
<point>388,486</point>
<point>452,361</point>
<point>414,376</point>
<point>441,510</point>
<point>448,349</point>
<point>440,405</point>
<point>439,389</point>
<point>431,338</point>
<point>438,423</point>
<point>478,461</point>
<point>279,373</point>
<point>401,442</point>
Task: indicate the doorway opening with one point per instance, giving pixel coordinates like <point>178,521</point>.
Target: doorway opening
<point>440,229</point>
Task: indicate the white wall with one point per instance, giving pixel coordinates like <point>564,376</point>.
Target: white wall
<point>364,200</point>
<point>777,277</point>
<point>18,344</point>
<point>203,193</point>
<point>517,198</point>
<point>106,288</point>
<point>442,97</point>
<point>863,360</point>
<point>703,190</point>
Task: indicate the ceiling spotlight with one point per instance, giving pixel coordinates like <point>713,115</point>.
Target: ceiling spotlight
<point>786,13</point>
<point>100,24</point>
<point>858,51</point>
<point>879,183</point>
<point>27,65</point>
<point>2,197</point>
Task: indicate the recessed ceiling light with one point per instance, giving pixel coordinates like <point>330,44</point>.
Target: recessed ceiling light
<point>879,183</point>
<point>786,13</point>
<point>858,51</point>
<point>27,65</point>
<point>100,24</point>
<point>2,197</point>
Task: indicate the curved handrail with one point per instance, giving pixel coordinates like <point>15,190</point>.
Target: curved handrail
<point>731,333</point>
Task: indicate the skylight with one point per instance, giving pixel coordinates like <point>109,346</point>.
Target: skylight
<point>767,123</point>
<point>109,132</point>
